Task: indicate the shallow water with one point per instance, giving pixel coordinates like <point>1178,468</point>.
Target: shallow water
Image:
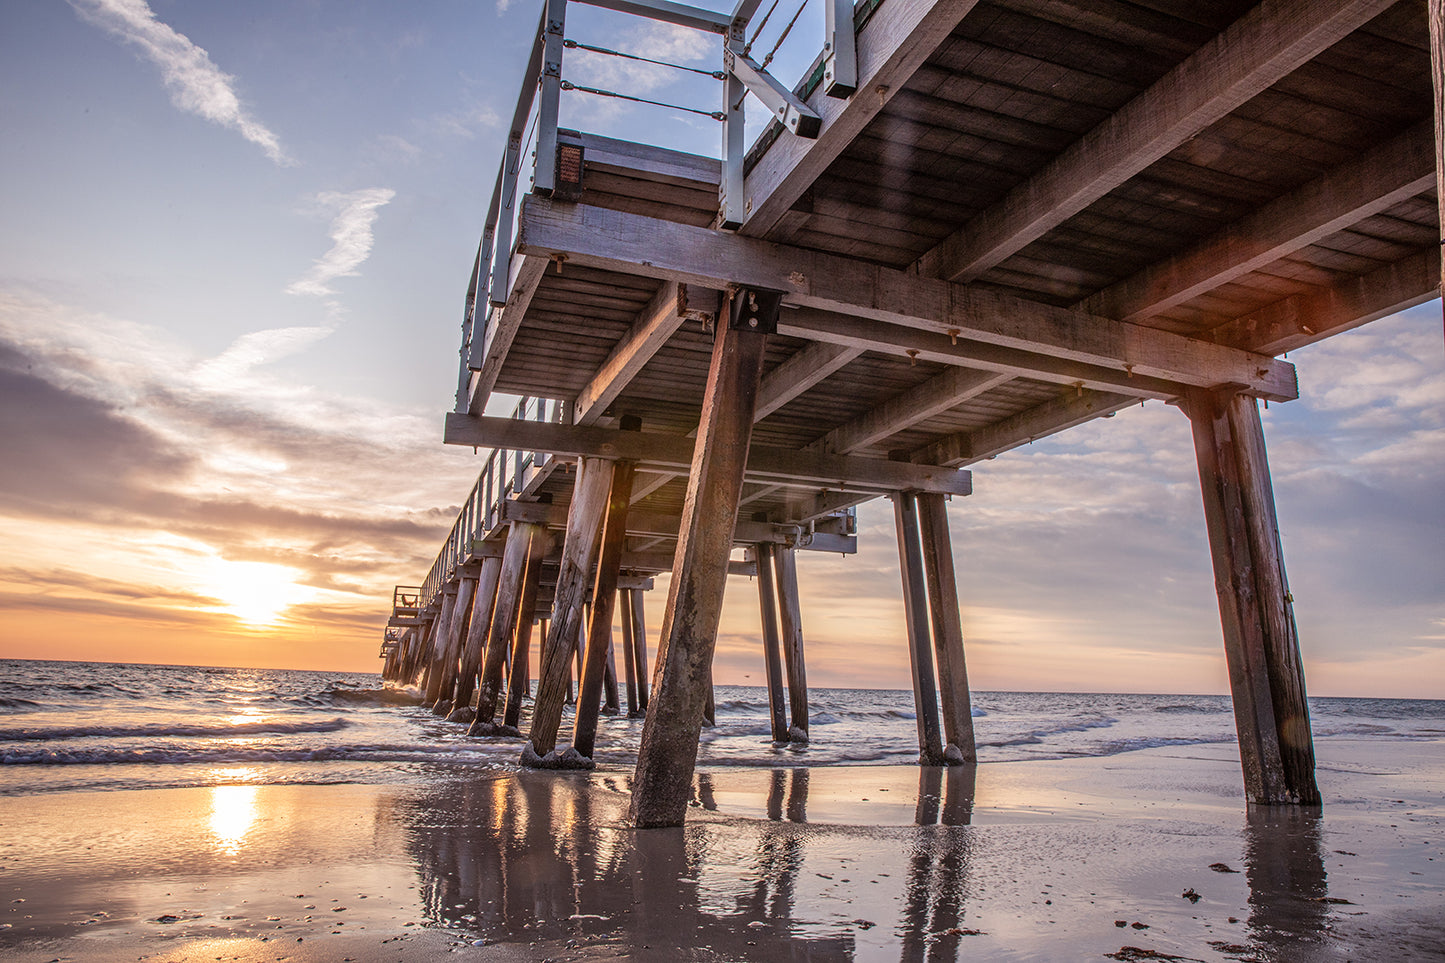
<point>111,726</point>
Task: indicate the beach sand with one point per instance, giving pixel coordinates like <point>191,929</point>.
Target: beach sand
<point>1049,860</point>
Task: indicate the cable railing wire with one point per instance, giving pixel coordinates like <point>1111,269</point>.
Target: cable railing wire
<point>578,45</point>
<point>714,114</point>
<point>783,36</point>
<point>748,47</point>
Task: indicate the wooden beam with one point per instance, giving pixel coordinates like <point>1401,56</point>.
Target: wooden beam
<point>901,412</point>
<point>504,324</point>
<point>915,609</point>
<point>1261,643</point>
<point>518,682</point>
<point>800,372</point>
<point>895,41</point>
<point>483,603</point>
<point>670,451</point>
<point>504,621</point>
<point>634,244</point>
<point>1067,410</point>
<point>947,629</point>
<point>790,620</point>
<point>579,554</point>
<point>656,164</point>
<point>662,781</point>
<point>1304,319</point>
<point>1398,169</point>
<point>657,322</point>
<point>772,655</point>
<point>1257,50</point>
<point>599,622</point>
<point>1435,13</point>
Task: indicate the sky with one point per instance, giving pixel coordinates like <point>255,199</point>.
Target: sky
<point>234,245</point>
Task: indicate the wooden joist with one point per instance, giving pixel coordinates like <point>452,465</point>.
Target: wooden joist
<point>892,45</point>
<point>1067,410</point>
<point>1398,169</point>
<point>502,330</point>
<point>1304,319</point>
<point>1261,47</point>
<point>656,323</point>
<point>672,452</point>
<point>639,245</point>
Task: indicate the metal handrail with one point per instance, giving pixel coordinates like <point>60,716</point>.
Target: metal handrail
<point>504,475</point>
<point>490,283</point>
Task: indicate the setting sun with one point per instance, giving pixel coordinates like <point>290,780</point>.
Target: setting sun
<point>255,592</point>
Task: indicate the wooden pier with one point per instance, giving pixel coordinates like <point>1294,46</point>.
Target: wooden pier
<point>972,225</point>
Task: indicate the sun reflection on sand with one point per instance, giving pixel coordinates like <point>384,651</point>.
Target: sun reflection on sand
<point>233,811</point>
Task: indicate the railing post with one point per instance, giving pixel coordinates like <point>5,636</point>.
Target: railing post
<point>840,50</point>
<point>545,173</point>
<point>730,188</point>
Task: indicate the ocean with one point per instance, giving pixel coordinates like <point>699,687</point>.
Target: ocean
<point>89,726</point>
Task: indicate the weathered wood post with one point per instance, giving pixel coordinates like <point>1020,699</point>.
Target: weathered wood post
<point>456,636</point>
<point>579,553</point>
<point>518,677</point>
<point>1261,642</point>
<point>772,658</point>
<point>639,644</point>
<point>441,639</point>
<point>915,607</point>
<point>662,781</point>
<point>790,616</point>
<point>629,653</point>
<point>610,705</point>
<point>505,613</point>
<point>417,659</point>
<point>599,625</point>
<point>947,629</point>
<point>1436,14</point>
<point>483,601</point>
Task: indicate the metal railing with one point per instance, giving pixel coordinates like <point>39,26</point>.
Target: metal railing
<point>506,474</point>
<point>536,115</point>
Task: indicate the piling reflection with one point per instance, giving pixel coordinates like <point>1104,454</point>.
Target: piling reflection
<point>1285,868</point>
<point>939,864</point>
<point>549,856</point>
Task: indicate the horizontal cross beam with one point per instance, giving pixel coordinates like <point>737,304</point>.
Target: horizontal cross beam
<point>653,450</point>
<point>634,244</point>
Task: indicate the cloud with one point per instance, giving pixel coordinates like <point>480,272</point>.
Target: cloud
<point>196,84</point>
<point>258,348</point>
<point>351,238</point>
<point>119,442</point>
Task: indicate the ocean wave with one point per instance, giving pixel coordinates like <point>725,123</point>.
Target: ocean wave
<point>17,705</point>
<point>170,730</point>
<point>234,755</point>
<point>378,697</point>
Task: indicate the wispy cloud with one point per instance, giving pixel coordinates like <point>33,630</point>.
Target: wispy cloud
<point>351,236</point>
<point>196,84</point>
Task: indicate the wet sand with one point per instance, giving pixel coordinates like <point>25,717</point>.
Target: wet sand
<point>1051,860</point>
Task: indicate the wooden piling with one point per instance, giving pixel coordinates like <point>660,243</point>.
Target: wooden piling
<point>629,654</point>
<point>1261,642</point>
<point>947,628</point>
<point>483,602</point>
<point>790,617</point>
<point>579,552</point>
<point>504,622</point>
<point>662,781</point>
<point>639,646</point>
<point>441,638</point>
<point>604,593</point>
<point>518,676</point>
<point>456,637</point>
<point>772,658</point>
<point>610,704</point>
<point>915,607</point>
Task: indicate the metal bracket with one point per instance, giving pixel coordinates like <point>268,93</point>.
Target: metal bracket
<point>840,51</point>
<point>795,115</point>
<point>755,309</point>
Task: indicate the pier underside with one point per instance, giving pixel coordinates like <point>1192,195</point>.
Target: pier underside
<point>1029,215</point>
